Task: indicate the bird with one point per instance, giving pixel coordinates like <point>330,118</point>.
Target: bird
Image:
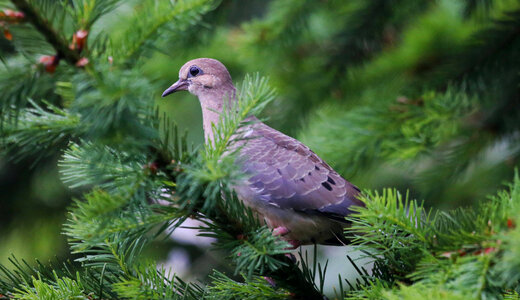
<point>288,187</point>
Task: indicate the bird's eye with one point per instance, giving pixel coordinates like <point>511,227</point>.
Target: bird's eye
<point>194,71</point>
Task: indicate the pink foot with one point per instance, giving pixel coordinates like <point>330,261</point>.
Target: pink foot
<point>281,231</point>
<point>294,244</point>
<point>270,281</point>
<point>291,257</point>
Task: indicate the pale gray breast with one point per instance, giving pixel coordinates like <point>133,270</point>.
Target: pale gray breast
<point>287,174</point>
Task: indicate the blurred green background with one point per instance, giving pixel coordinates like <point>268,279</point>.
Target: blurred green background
<point>414,94</point>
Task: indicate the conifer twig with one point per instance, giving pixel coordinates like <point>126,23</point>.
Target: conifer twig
<point>40,24</point>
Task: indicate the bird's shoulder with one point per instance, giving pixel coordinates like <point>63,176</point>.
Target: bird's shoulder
<point>288,174</point>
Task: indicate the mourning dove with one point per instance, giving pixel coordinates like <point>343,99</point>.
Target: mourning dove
<point>289,187</point>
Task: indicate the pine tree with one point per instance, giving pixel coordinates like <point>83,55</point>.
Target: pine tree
<point>426,92</point>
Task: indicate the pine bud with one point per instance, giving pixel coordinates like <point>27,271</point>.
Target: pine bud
<point>79,40</point>
<point>82,62</point>
<point>11,16</point>
<point>49,62</point>
<point>8,35</point>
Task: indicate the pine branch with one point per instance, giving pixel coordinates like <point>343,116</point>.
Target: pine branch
<point>21,278</point>
<point>161,17</point>
<point>501,35</point>
<point>19,83</point>
<point>37,132</point>
<point>64,288</point>
<point>223,287</point>
<point>464,252</point>
<point>55,39</point>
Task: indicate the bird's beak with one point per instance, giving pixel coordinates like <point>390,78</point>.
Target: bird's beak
<point>180,85</point>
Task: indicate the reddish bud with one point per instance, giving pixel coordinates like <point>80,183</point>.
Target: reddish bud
<point>152,167</point>
<point>45,59</point>
<point>79,39</point>
<point>239,254</point>
<point>81,34</point>
<point>8,13</point>
<point>8,35</point>
<point>50,63</point>
<point>489,250</point>
<point>50,68</point>
<point>11,16</point>
<point>82,62</point>
<point>510,223</point>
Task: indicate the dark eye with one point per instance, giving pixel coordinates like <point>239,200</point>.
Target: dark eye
<point>194,71</point>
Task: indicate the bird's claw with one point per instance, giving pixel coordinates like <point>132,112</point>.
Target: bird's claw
<point>281,231</point>
<point>291,257</point>
<point>294,244</point>
<point>270,281</point>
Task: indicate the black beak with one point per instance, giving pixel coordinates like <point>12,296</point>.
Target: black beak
<point>180,85</point>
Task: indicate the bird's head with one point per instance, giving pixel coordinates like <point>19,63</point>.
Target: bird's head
<point>202,76</point>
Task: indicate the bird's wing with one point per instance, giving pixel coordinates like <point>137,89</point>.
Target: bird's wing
<point>287,174</point>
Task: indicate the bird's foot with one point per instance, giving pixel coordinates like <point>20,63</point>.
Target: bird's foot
<point>294,244</point>
<point>281,231</point>
<point>291,257</point>
<point>270,281</point>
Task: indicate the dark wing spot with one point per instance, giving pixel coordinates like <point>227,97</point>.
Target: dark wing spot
<point>316,167</point>
<point>310,174</point>
<point>279,172</point>
<point>331,180</point>
<point>327,186</point>
<point>302,179</point>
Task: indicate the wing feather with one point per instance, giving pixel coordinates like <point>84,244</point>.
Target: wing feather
<point>287,174</point>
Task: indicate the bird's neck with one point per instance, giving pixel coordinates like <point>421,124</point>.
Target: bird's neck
<point>213,104</point>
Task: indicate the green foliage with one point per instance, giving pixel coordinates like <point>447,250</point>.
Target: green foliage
<point>164,19</point>
<point>223,287</point>
<point>462,253</point>
<point>97,165</point>
<point>37,132</point>
<point>156,284</point>
<point>65,288</point>
<point>416,94</point>
<point>20,83</point>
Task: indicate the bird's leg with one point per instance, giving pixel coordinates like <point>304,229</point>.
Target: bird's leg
<point>281,231</point>
<point>294,244</point>
<point>270,281</point>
